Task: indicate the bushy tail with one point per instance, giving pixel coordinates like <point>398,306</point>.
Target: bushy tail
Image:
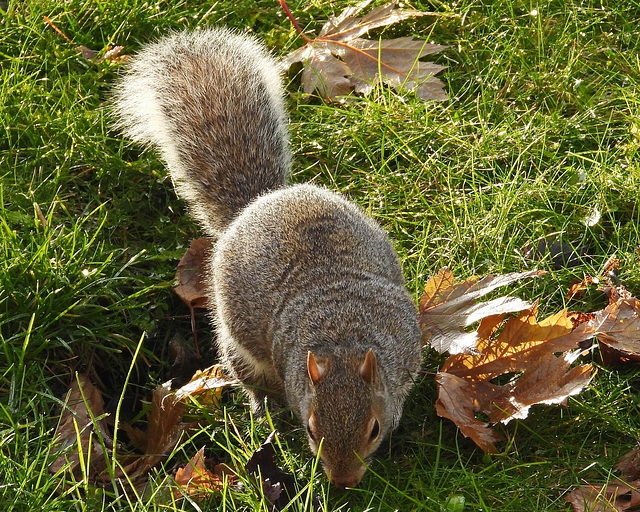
<point>211,102</point>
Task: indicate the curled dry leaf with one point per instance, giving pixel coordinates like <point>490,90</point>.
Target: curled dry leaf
<point>339,60</point>
<point>525,348</point>
<point>618,325</point>
<point>277,486</point>
<point>191,287</point>
<point>163,431</point>
<point>520,349</point>
<point>447,307</point>
<point>619,343</point>
<point>197,481</point>
<point>81,424</point>
<point>620,496</point>
<point>210,381</point>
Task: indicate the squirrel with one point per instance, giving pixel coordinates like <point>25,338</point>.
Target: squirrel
<point>306,292</point>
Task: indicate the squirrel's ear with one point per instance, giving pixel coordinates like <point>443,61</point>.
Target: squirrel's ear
<point>316,371</point>
<point>369,369</point>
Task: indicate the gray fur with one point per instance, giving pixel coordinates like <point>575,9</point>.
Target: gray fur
<point>295,269</point>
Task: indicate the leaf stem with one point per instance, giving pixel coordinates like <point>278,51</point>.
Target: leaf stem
<point>293,19</point>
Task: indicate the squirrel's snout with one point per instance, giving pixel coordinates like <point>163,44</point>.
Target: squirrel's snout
<point>345,482</point>
<point>351,479</point>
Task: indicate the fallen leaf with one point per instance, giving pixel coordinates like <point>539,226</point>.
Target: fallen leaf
<point>163,425</point>
<point>210,381</point>
<point>609,498</point>
<point>447,307</point>
<point>455,402</point>
<point>562,254</point>
<point>524,349</point>
<point>197,481</point>
<point>81,426</point>
<point>277,486</point>
<point>339,60</point>
<point>617,325</point>
<point>578,288</point>
<point>82,431</point>
<point>346,27</point>
<point>620,496</point>
<point>514,363</point>
<point>191,287</point>
<point>611,265</point>
<point>163,432</point>
<point>629,464</point>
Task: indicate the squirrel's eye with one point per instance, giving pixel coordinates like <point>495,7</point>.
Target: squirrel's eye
<point>375,430</point>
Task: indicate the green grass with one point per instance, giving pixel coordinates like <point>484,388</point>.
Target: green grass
<point>542,129</point>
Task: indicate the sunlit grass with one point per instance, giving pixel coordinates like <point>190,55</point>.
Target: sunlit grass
<point>539,140</point>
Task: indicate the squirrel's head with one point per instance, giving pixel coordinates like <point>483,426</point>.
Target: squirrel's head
<point>349,413</point>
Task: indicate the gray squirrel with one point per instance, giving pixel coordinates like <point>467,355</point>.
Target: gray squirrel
<point>306,292</point>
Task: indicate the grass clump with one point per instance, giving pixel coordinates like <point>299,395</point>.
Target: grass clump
<point>539,140</point>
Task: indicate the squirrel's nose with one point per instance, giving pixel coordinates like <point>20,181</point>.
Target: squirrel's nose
<point>346,481</point>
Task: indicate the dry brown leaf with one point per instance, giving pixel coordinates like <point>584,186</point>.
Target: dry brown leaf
<point>163,431</point>
<point>210,381</point>
<point>524,347</point>
<point>81,423</point>
<point>447,307</point>
<point>83,419</point>
<point>191,287</point>
<point>522,351</point>
<point>277,486</point>
<point>322,72</point>
<point>618,325</point>
<point>346,27</point>
<point>457,401</point>
<point>196,480</point>
<point>163,424</point>
<point>620,496</point>
<point>629,464</point>
<point>365,62</point>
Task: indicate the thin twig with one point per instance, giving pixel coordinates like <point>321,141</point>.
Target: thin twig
<point>293,19</point>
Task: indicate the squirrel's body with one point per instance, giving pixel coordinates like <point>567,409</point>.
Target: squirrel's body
<point>307,292</point>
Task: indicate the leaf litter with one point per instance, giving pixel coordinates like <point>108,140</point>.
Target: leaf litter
<point>83,434</point>
<point>339,61</point>
<point>524,347</point>
<point>191,286</point>
<point>493,374</point>
<point>447,307</point>
<point>535,358</point>
<point>621,496</point>
<point>196,481</point>
<point>83,427</point>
